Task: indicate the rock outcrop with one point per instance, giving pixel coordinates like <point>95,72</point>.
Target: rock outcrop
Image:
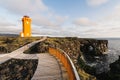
<point>16,69</point>
<point>91,49</point>
<point>76,48</point>
<point>94,47</point>
<point>113,74</point>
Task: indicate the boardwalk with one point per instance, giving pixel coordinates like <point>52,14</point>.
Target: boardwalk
<point>49,68</point>
<point>19,52</point>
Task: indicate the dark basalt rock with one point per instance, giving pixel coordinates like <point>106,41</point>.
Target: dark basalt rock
<point>115,67</point>
<point>16,69</point>
<point>75,48</point>
<point>113,74</point>
<point>40,47</point>
<point>3,49</point>
<point>93,50</point>
<point>94,47</point>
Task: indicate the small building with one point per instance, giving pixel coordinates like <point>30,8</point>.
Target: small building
<point>26,23</point>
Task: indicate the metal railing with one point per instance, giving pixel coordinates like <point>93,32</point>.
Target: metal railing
<point>66,61</point>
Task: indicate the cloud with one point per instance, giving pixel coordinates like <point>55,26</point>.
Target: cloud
<point>84,22</point>
<point>61,19</point>
<point>115,14</point>
<point>39,12</point>
<point>10,29</point>
<point>96,2</point>
<point>45,21</point>
<point>106,26</point>
<point>3,24</point>
<point>41,20</point>
<point>23,6</point>
<point>113,19</point>
<point>53,21</point>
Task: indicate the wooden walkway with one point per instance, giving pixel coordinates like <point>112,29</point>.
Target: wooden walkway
<point>19,52</point>
<point>48,68</point>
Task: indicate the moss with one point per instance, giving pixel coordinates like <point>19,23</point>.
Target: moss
<point>13,43</point>
<point>72,47</point>
<point>86,67</point>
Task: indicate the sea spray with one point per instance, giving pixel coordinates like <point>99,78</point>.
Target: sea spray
<point>102,63</point>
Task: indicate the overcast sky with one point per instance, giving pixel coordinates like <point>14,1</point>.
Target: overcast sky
<point>79,18</point>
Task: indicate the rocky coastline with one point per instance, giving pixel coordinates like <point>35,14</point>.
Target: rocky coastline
<point>88,56</point>
<point>113,73</point>
<point>79,50</point>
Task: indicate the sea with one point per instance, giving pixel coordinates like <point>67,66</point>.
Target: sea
<point>114,50</point>
<point>113,53</point>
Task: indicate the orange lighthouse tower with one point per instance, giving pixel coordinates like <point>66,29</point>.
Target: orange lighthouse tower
<point>26,32</point>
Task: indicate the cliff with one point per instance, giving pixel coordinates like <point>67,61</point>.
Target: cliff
<point>77,49</point>
<point>113,73</point>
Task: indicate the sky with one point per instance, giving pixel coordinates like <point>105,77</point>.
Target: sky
<point>72,18</point>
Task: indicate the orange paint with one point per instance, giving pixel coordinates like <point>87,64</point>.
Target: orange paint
<point>64,61</point>
<point>26,32</point>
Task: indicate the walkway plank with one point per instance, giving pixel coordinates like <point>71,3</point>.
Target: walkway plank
<point>19,52</point>
<point>48,68</point>
<point>26,56</point>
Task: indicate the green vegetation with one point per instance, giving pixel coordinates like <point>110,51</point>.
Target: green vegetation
<point>9,44</point>
<point>85,67</point>
<point>72,47</point>
<point>75,48</point>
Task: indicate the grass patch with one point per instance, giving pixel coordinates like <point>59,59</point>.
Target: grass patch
<point>12,43</point>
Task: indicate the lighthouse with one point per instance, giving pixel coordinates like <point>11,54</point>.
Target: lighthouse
<point>26,23</point>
